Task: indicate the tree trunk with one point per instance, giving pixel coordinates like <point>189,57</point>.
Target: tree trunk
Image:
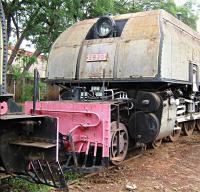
<point>29,64</point>
<point>14,51</point>
<point>21,38</point>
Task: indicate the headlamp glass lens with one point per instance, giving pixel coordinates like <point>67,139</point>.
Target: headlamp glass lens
<point>104,28</point>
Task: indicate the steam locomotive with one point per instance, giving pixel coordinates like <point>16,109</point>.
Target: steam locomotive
<point>126,80</point>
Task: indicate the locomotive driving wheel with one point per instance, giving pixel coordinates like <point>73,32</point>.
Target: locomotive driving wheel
<point>176,133</point>
<point>119,142</point>
<point>198,125</point>
<point>188,128</point>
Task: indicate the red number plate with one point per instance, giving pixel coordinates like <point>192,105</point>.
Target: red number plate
<point>91,57</point>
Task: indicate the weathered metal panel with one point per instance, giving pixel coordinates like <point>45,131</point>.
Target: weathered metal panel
<point>62,63</point>
<point>137,46</point>
<point>152,44</point>
<point>138,52</point>
<point>96,69</point>
<point>181,45</point>
<point>64,53</point>
<point>143,26</point>
<point>167,120</point>
<point>137,59</point>
<point>166,57</point>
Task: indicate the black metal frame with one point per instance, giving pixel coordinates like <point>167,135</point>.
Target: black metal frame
<point>5,50</point>
<point>36,89</point>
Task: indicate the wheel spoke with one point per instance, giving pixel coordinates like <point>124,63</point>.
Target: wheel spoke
<point>114,144</point>
<point>114,153</point>
<point>123,143</point>
<point>123,134</point>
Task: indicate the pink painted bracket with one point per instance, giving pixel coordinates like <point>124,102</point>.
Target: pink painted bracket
<point>3,108</point>
<point>88,123</point>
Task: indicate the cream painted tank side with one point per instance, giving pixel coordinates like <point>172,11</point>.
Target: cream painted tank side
<point>138,51</point>
<point>138,46</point>
<point>180,47</point>
<point>94,70</point>
<point>64,53</point>
<point>153,45</point>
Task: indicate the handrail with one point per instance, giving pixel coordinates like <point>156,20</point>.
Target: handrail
<point>80,125</point>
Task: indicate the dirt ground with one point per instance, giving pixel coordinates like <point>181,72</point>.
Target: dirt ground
<point>172,167</point>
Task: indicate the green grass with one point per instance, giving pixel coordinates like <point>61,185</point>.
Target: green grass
<point>72,176</point>
<point>21,185</point>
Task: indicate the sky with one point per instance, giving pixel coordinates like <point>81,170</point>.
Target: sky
<point>180,2</point>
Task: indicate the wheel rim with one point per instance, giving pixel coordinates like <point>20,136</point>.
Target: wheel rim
<point>118,156</point>
<point>197,125</point>
<point>188,128</point>
<point>156,143</point>
<point>176,133</point>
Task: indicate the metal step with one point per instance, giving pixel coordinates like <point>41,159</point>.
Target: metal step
<point>4,176</point>
<point>33,143</point>
<point>19,116</point>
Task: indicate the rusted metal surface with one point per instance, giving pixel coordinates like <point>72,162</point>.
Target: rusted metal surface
<point>64,54</point>
<point>152,44</point>
<point>138,51</point>
<point>181,45</point>
<point>95,69</point>
<point>138,45</point>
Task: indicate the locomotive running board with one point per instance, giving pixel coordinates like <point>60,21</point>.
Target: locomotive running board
<point>29,143</point>
<point>5,176</point>
<point>20,116</point>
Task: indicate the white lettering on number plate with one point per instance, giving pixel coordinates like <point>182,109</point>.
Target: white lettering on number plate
<point>91,57</point>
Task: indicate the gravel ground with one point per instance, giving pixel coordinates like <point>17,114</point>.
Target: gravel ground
<point>172,167</point>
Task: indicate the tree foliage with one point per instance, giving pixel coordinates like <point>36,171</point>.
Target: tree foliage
<point>41,21</point>
<point>188,15</point>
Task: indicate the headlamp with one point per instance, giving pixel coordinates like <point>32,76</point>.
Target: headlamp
<point>105,27</point>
